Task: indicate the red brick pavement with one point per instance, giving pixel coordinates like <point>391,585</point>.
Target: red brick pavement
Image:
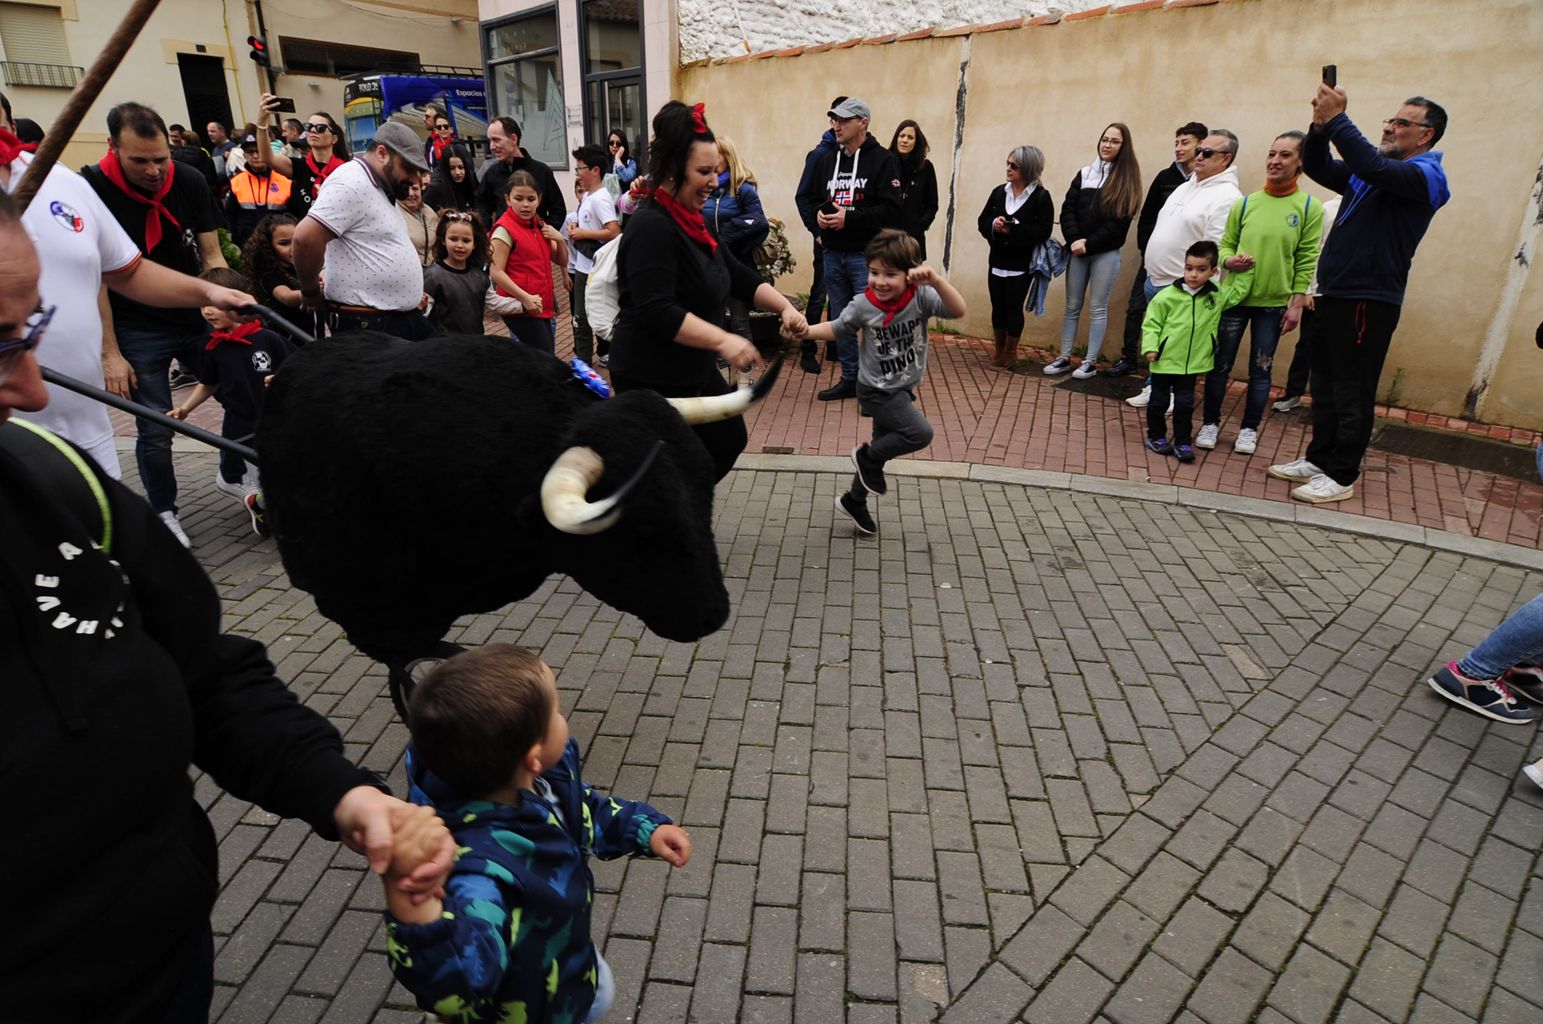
<point>1025,420</point>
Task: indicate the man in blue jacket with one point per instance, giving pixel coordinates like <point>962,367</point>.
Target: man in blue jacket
<point>808,207</point>
<point>1391,192</point>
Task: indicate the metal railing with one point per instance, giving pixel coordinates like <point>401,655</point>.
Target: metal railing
<point>47,76</point>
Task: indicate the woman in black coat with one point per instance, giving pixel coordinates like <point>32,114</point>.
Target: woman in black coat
<point>455,182</point>
<point>918,182</point>
<point>675,282</point>
<point>1015,221</point>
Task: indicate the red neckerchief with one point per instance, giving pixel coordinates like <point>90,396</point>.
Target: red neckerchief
<point>319,174</point>
<point>690,221</point>
<point>10,145</point>
<point>890,309</point>
<point>241,334</point>
<point>110,166</point>
<point>440,145</point>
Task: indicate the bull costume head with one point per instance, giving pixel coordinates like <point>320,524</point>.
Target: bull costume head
<point>410,484</point>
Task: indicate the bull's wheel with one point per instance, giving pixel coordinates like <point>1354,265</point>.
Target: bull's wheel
<point>404,676</point>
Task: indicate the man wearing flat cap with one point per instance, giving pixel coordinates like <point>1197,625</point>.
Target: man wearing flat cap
<point>354,239</point>
<point>856,187</point>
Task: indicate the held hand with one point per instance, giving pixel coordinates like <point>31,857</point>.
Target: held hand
<point>119,375</point>
<point>419,836</point>
<point>226,298</point>
<point>671,843</point>
<point>1079,247</point>
<point>1329,101</point>
<point>738,352</point>
<point>367,818</point>
<point>1232,263</point>
<point>793,323</point>
<point>532,303</point>
<point>1242,261</point>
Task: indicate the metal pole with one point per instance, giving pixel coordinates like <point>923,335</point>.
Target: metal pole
<point>85,94</point>
<point>134,408</point>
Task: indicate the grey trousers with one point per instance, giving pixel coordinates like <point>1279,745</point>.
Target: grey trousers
<point>899,428</point>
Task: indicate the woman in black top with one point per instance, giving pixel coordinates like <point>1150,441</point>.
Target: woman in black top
<point>454,186</point>
<point>1015,221</point>
<point>918,182</point>
<point>675,282</point>
<point>1095,218</point>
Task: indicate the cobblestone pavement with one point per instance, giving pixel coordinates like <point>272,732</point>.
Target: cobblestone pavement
<point>975,770</point>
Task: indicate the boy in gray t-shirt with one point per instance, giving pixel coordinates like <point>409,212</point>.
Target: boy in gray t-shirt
<point>890,322</point>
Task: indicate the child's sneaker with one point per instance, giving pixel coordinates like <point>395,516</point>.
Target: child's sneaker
<point>871,473</point>
<point>254,508</point>
<point>1488,697</point>
<point>1185,452</point>
<point>1525,681</point>
<point>1161,446</point>
<point>858,513</point>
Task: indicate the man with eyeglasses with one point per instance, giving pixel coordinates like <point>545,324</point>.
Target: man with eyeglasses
<point>1391,192</point>
<point>81,247</point>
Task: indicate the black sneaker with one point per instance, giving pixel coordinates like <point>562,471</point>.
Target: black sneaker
<point>1184,452</point>
<point>1121,368</point>
<point>857,511</point>
<point>846,387</point>
<point>254,507</point>
<point>1160,445</point>
<point>1488,697</point>
<point>871,473</point>
<point>181,378</point>
<point>809,363</point>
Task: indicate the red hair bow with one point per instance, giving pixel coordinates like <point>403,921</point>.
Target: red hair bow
<point>699,119</point>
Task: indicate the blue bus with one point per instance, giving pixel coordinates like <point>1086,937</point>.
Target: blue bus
<point>371,100</point>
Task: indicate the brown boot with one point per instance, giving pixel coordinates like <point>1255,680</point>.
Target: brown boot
<point>998,340</point>
<point>1010,352</point>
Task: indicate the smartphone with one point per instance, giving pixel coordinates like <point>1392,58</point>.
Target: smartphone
<point>829,208</point>
<point>283,105</point>
<point>1331,75</point>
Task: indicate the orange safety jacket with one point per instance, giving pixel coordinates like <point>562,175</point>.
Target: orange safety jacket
<point>248,192</point>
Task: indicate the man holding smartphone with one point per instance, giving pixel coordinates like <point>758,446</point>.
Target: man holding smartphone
<point>1391,192</point>
<point>855,189</point>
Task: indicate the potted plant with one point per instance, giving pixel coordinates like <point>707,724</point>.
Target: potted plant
<point>773,258</point>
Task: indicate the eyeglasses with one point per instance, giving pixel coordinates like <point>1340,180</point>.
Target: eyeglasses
<point>456,215</point>
<point>316,127</point>
<point>1404,122</point>
<point>32,332</point>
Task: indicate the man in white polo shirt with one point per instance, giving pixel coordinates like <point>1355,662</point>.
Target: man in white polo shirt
<point>354,239</point>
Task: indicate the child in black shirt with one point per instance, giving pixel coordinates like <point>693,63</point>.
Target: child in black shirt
<point>236,366</point>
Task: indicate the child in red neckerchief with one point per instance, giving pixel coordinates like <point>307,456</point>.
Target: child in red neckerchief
<point>890,322</point>
<point>524,248</point>
<point>236,365</point>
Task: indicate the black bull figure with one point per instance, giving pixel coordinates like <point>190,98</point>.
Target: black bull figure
<point>410,484</point>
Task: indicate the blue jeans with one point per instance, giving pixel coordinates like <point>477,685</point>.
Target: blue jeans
<point>846,275</point>
<point>1263,324</point>
<point>1084,274</point>
<point>1518,640</point>
<point>150,354</point>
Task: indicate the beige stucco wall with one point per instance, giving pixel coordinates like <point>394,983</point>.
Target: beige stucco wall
<point>1248,65</point>
<point>149,71</point>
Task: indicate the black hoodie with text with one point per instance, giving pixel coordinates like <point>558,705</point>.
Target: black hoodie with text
<point>866,182</point>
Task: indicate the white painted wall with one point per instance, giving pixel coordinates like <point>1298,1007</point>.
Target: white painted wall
<point>721,28</point>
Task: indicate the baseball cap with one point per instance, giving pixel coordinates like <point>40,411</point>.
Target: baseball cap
<point>250,142</point>
<point>849,107</point>
<point>402,141</point>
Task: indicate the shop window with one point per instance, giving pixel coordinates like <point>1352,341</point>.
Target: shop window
<point>525,77</point>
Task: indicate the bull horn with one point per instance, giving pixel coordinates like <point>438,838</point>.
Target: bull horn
<point>567,482</point>
<point>696,411</point>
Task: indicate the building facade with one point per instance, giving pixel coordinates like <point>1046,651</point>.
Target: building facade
<point>191,62</point>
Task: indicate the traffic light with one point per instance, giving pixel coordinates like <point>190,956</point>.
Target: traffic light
<point>259,47</point>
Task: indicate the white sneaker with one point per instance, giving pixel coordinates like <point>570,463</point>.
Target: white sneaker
<point>1322,488</point>
<point>1141,399</point>
<point>1207,436</point>
<point>170,519</point>
<point>1060,366</point>
<point>1288,403</point>
<point>1247,441</point>
<point>238,490</point>
<point>1086,370</point>
<point>1298,472</point>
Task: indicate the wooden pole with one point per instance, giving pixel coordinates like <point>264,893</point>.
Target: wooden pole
<point>80,100</point>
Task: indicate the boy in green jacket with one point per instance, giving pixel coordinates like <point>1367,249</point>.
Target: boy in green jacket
<point>1179,339</point>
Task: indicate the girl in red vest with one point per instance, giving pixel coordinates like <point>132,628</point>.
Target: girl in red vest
<point>524,247</point>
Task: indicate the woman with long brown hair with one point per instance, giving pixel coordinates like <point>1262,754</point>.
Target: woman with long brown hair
<point>1095,218</point>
